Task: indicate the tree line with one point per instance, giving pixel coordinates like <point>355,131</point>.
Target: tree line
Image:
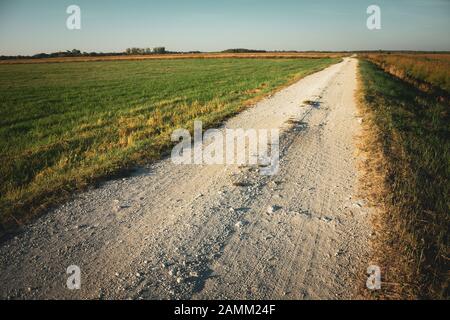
<point>143,51</point>
<point>78,53</point>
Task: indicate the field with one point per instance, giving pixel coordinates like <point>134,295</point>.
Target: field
<point>429,72</point>
<point>407,168</point>
<point>267,55</point>
<point>65,125</point>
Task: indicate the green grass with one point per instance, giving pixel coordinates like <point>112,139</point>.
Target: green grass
<point>65,125</point>
<point>413,130</point>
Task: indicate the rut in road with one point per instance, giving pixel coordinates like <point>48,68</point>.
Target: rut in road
<point>173,231</point>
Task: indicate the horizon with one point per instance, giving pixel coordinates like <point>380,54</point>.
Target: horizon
<point>251,51</point>
<point>28,28</point>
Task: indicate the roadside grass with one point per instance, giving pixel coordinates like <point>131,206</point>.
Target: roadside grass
<point>428,72</point>
<point>64,126</point>
<point>406,148</point>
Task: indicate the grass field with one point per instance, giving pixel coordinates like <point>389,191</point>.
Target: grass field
<point>407,148</point>
<point>426,71</point>
<point>65,125</point>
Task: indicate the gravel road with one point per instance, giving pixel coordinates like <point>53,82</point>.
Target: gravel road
<point>191,232</point>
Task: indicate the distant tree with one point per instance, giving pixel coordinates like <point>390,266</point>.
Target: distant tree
<point>242,50</point>
<point>159,50</point>
<point>141,51</point>
<point>41,55</point>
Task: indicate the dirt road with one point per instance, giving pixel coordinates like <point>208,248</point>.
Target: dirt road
<point>192,232</point>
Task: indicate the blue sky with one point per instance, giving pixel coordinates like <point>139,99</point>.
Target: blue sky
<point>30,26</point>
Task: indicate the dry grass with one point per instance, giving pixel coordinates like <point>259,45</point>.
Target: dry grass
<point>374,187</point>
<point>428,72</point>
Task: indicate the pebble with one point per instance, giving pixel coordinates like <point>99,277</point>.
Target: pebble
<point>239,224</point>
<point>340,252</point>
<point>272,209</point>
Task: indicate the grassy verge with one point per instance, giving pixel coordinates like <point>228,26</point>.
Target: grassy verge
<point>406,147</point>
<point>428,72</point>
<point>63,126</point>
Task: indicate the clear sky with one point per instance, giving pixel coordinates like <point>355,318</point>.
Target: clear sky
<point>33,26</point>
